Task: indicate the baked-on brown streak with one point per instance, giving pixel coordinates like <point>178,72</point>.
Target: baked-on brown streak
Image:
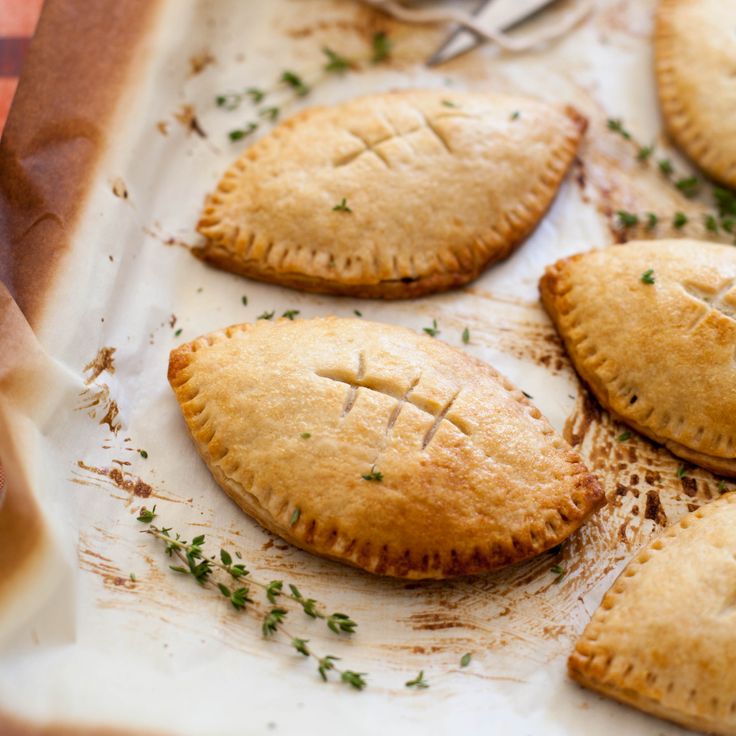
<point>695,59</point>
<point>664,637</point>
<point>372,445</point>
<point>430,188</point>
<point>660,356</point>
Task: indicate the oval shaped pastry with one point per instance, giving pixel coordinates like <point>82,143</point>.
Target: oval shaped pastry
<point>695,57</point>
<point>378,447</point>
<point>651,328</point>
<point>391,195</point>
<point>664,637</point>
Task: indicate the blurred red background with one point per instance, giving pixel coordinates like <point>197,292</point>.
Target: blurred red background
<point>17,22</point>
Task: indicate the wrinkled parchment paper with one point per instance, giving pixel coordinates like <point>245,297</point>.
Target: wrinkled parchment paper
<point>82,642</point>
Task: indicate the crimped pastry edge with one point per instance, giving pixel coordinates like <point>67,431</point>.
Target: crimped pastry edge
<point>582,667</point>
<point>586,496</point>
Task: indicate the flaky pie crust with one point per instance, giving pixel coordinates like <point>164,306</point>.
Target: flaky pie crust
<point>289,417</point>
<point>695,61</point>
<point>660,357</point>
<point>664,637</point>
<point>438,183</point>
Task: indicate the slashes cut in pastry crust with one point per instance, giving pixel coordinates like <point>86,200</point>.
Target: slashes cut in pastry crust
<point>664,637</point>
<point>430,187</point>
<point>660,356</point>
<point>378,447</point>
<point>695,51</point>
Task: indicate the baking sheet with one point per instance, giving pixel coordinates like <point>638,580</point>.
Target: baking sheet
<point>83,643</point>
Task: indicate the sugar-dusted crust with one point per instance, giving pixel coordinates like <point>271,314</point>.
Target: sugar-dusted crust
<point>664,637</point>
<point>439,184</point>
<point>473,476</point>
<point>662,356</point>
<point>695,61</point>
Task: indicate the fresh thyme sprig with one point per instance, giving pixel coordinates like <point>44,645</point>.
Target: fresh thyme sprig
<point>291,86</point>
<point>723,216</point>
<point>201,568</point>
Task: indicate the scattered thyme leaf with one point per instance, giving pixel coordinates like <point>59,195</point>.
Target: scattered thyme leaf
<point>267,315</point>
<point>681,471</point>
<point>229,100</point>
<point>342,206</point>
<point>465,659</point>
<point>236,135</point>
<point>290,313</point>
<point>239,598</point>
<point>357,313</point>
<point>722,486</point>
<point>335,62</point>
<point>515,115</point>
<point>432,331</point>
<point>225,557</point>
<point>559,571</point>
<point>272,620</point>
<point>529,396</point>
<point>381,44</point>
<point>244,299</point>
<point>270,113</point>
<point>665,166</point>
<point>273,590</point>
<point>143,454</point>
<point>132,577</point>
<point>648,276</point>
<point>688,185</point>
<point>449,103</point>
<point>375,475</point>
<point>354,679</point>
<point>325,664</point>
<point>147,515</point>
<point>644,153</point>
<point>341,623</point>
<point>295,516</point>
<point>418,682</point>
<point>466,336</point>
<point>627,219</point>
<point>255,94</point>
<point>306,435</point>
<point>679,220</point>
<point>295,82</point>
<point>617,126</point>
<point>624,436</point>
<point>301,646</point>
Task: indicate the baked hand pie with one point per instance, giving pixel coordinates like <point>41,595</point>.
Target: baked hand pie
<point>372,445</point>
<point>664,637</point>
<point>391,195</point>
<point>651,328</point>
<point>695,52</point>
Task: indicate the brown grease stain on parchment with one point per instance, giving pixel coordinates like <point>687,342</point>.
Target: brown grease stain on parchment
<point>95,398</point>
<point>118,478</point>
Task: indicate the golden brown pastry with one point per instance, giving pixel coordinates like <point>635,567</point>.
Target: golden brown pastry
<point>664,637</point>
<point>651,328</point>
<point>695,64</point>
<point>391,195</point>
<point>375,446</point>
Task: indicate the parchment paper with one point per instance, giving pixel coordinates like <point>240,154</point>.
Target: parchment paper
<point>83,643</point>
